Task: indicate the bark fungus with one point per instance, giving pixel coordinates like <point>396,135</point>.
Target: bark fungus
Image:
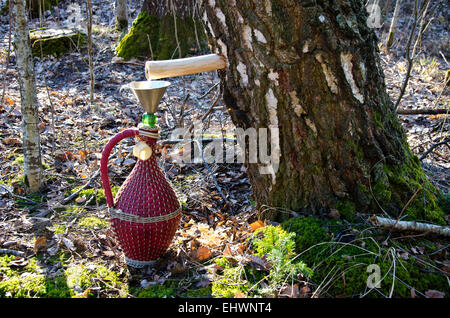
<point>314,73</point>
<point>155,25</point>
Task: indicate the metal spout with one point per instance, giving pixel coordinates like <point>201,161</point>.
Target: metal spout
<point>149,93</point>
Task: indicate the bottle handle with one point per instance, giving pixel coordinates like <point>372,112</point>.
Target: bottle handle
<point>104,161</point>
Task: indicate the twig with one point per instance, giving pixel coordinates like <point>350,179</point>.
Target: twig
<point>91,65</point>
<point>217,98</point>
<point>13,252</point>
<point>205,140</point>
<point>432,148</point>
<point>17,196</point>
<point>209,90</point>
<point>422,111</point>
<point>409,57</point>
<point>409,225</point>
<point>210,171</point>
<point>8,56</point>
<point>180,121</point>
<point>75,194</point>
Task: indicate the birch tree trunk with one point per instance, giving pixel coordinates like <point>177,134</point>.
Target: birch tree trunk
<point>310,70</point>
<point>29,102</point>
<point>121,15</point>
<point>393,27</point>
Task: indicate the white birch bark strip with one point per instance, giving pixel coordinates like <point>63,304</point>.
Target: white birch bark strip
<point>410,226</point>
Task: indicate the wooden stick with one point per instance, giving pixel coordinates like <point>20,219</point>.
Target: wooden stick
<point>422,111</point>
<point>184,66</point>
<point>409,225</point>
<point>12,252</point>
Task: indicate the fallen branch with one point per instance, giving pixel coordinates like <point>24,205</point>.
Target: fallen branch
<point>422,111</point>
<point>75,194</point>
<point>409,225</point>
<point>434,146</point>
<point>17,196</point>
<point>12,252</point>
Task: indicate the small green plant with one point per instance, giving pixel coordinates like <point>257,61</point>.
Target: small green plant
<point>278,246</point>
<point>92,222</point>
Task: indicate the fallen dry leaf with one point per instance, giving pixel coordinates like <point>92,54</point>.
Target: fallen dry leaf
<point>227,251</point>
<point>203,253</point>
<point>256,225</point>
<point>108,253</point>
<point>40,243</point>
<point>290,291</point>
<point>434,294</point>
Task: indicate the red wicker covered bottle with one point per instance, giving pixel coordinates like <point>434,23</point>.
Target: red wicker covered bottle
<point>146,212</point>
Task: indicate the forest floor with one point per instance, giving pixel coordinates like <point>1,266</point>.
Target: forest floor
<point>55,248</point>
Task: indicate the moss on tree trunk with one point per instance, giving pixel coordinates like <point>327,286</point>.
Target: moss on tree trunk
<point>158,28</point>
<point>311,69</point>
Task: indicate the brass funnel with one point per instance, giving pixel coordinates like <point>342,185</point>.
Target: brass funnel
<point>149,93</point>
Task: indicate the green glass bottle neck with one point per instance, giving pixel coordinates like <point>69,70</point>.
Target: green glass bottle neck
<point>149,120</point>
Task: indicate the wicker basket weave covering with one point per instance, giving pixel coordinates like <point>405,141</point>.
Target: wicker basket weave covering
<point>146,212</point>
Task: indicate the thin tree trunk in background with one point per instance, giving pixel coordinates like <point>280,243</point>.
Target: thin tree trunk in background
<point>90,52</point>
<point>29,102</point>
<point>310,72</point>
<point>393,27</point>
<point>121,15</point>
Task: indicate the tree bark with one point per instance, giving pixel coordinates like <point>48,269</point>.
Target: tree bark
<point>121,15</point>
<point>393,27</point>
<point>29,102</point>
<point>312,70</point>
<point>162,31</point>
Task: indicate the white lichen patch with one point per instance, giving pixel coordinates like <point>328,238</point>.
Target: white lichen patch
<point>272,104</point>
<point>329,76</point>
<point>268,7</point>
<point>259,36</point>
<point>322,18</point>
<point>221,17</point>
<point>273,76</point>
<point>223,51</point>
<point>311,126</point>
<point>295,102</point>
<point>363,71</point>
<point>347,66</point>
<point>242,69</point>
<point>306,47</point>
<point>239,17</point>
<point>257,83</point>
<point>247,36</point>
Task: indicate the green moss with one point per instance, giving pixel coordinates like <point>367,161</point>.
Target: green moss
<point>343,271</point>
<point>346,209</point>
<point>99,194</point>
<point>403,181</point>
<point>82,277</point>
<point>156,291</point>
<point>161,34</point>
<point>24,282</point>
<point>340,268</point>
<point>92,222</point>
<point>198,293</point>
